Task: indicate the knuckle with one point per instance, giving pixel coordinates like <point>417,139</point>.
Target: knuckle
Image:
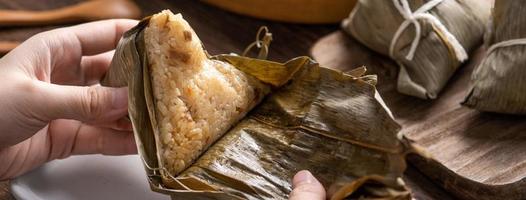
<point>41,36</point>
<point>26,88</point>
<point>24,92</point>
<point>93,102</point>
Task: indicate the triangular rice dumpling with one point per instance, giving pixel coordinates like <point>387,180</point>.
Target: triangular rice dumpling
<point>196,99</point>
<point>181,101</point>
<point>498,84</point>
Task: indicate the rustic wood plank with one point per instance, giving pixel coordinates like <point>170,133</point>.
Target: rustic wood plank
<point>475,155</point>
<point>423,188</point>
<point>221,32</point>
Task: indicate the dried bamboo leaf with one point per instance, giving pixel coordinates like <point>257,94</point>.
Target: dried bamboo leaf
<point>498,84</point>
<point>315,118</point>
<point>275,74</point>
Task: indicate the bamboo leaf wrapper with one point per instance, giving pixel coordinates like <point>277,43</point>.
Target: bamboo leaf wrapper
<point>314,118</point>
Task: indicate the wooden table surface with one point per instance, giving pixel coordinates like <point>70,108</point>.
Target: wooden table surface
<point>221,32</point>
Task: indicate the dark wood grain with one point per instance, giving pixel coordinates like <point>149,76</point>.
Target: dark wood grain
<point>222,32</point>
<point>475,155</point>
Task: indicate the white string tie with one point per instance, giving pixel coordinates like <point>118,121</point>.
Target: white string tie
<point>412,18</point>
<point>506,43</point>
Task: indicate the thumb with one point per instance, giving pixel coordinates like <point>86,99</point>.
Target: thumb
<point>306,187</point>
<point>87,104</point>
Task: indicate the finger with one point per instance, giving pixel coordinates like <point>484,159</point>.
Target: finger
<point>93,104</point>
<point>94,140</point>
<point>70,137</point>
<point>94,67</point>
<point>122,124</point>
<point>89,72</point>
<point>95,37</point>
<point>306,187</point>
<point>59,50</point>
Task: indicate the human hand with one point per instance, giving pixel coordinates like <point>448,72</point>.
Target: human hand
<point>306,187</point>
<point>50,107</point>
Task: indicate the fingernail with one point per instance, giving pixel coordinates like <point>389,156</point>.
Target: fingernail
<point>302,177</point>
<point>120,98</point>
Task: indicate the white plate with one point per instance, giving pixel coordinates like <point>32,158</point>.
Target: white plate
<point>86,177</point>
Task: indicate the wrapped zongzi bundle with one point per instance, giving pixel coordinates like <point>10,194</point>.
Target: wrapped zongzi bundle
<point>189,113</point>
<point>498,84</point>
<point>429,39</point>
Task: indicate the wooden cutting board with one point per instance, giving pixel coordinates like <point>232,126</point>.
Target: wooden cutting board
<point>474,155</point>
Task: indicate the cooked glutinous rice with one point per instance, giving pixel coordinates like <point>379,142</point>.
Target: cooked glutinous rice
<point>196,99</point>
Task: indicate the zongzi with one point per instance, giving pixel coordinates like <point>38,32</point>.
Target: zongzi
<point>498,84</point>
<point>313,118</point>
<point>196,99</point>
<point>428,54</point>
